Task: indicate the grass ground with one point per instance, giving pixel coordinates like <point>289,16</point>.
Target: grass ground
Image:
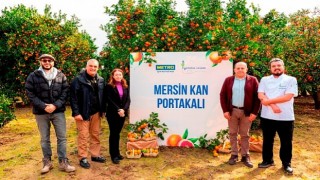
<point>21,155</point>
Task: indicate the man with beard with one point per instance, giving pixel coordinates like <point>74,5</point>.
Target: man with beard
<point>277,93</point>
<point>47,89</point>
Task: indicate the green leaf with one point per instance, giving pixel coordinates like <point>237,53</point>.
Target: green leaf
<point>131,57</point>
<point>209,35</point>
<point>193,140</point>
<point>208,53</point>
<point>185,134</point>
<point>131,60</point>
<point>213,65</point>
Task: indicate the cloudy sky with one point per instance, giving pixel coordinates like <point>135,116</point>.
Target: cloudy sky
<point>91,12</point>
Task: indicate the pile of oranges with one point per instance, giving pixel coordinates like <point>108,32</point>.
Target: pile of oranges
<point>222,148</point>
<point>255,138</point>
<point>132,136</point>
<point>150,151</point>
<point>134,153</point>
<point>142,132</point>
<point>149,135</point>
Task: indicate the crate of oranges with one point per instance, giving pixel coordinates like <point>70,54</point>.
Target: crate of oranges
<point>255,143</point>
<point>150,152</point>
<point>133,153</point>
<point>225,147</point>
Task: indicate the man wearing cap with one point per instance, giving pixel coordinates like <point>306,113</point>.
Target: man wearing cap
<point>47,89</point>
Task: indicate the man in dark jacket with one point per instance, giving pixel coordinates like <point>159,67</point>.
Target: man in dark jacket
<point>47,89</point>
<point>88,106</point>
<point>240,104</point>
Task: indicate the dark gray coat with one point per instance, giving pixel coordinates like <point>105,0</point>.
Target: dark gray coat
<point>40,93</point>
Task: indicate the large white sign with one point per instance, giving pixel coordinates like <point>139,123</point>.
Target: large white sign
<point>183,88</point>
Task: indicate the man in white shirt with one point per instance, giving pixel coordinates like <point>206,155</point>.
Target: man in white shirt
<point>277,93</point>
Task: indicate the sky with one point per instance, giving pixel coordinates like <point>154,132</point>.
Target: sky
<point>92,16</point>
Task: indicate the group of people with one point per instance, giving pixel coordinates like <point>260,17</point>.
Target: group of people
<point>242,97</point>
<point>91,98</point>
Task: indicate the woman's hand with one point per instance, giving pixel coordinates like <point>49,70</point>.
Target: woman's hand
<point>121,112</point>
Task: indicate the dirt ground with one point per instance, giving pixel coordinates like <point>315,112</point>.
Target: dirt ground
<point>20,155</point>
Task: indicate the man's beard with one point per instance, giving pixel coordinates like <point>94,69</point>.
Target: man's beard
<point>277,74</point>
<point>43,67</point>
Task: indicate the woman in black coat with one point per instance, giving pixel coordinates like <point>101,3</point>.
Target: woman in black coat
<point>118,101</point>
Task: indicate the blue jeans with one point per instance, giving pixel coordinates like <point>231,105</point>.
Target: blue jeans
<point>58,121</point>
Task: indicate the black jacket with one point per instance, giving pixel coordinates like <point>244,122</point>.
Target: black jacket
<point>40,93</point>
<point>80,93</point>
<point>114,103</point>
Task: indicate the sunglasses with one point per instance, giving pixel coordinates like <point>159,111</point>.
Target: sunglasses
<point>47,60</point>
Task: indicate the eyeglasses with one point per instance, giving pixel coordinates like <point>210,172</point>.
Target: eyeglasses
<point>47,60</point>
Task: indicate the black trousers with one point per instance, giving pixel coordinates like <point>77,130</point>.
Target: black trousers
<point>285,133</point>
<point>115,127</point>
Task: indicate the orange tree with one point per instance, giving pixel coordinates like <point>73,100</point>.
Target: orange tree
<point>303,50</point>
<point>235,31</point>
<point>25,35</point>
<point>139,27</point>
<point>201,26</point>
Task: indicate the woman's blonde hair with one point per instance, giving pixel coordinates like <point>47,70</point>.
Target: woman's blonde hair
<point>112,81</point>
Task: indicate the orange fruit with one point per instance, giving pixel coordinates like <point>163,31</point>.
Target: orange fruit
<point>252,64</point>
<point>137,56</point>
<point>215,153</point>
<point>226,55</point>
<point>144,125</point>
<point>173,140</point>
<point>155,151</point>
<point>215,58</point>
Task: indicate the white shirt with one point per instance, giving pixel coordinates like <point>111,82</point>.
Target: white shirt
<point>275,87</point>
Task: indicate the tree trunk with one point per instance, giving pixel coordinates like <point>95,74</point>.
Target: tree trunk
<point>304,93</point>
<point>317,103</point>
<point>316,97</point>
